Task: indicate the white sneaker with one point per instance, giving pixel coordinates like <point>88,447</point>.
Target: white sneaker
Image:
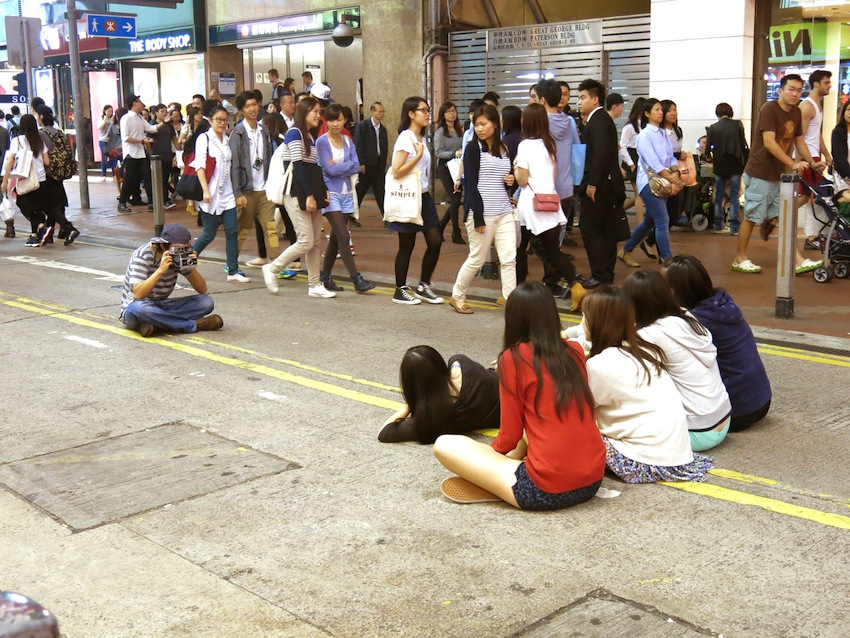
<point>238,277</point>
<point>257,262</point>
<point>270,277</point>
<point>320,291</point>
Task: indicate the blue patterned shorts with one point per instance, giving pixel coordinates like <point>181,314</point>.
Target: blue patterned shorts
<point>530,497</point>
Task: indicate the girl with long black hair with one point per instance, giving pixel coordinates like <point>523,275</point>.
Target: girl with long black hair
<point>442,399</point>
<point>33,204</point>
<point>549,454</point>
<point>448,137</point>
<point>408,155</point>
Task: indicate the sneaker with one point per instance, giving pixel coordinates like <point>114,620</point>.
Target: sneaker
<point>44,233</point>
<point>424,292</point>
<point>256,262</point>
<point>168,205</point>
<point>210,322</point>
<point>150,208</point>
<point>238,276</point>
<point>123,208</point>
<point>351,247</point>
<point>286,274</point>
<point>746,266</point>
<point>32,241</point>
<point>320,291</point>
<point>270,277</point>
<point>72,235</point>
<point>403,295</point>
<point>145,329</point>
<point>361,285</point>
<point>329,283</point>
<point>808,265</point>
<point>722,231</point>
<point>354,223</point>
<point>558,291</point>
<point>817,243</point>
<point>61,234</point>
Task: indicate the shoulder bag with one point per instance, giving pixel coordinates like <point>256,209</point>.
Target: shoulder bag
<point>545,202</point>
<point>403,198</point>
<point>189,186</point>
<point>279,182</point>
<point>658,186</point>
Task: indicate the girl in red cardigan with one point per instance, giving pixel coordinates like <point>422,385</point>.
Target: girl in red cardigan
<point>549,453</point>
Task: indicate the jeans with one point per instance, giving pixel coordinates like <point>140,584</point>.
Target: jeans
<point>502,230</point>
<point>171,315</point>
<point>734,199</point>
<point>231,233</point>
<point>656,213</point>
<point>105,160</point>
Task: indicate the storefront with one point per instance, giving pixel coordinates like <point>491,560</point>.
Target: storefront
<point>802,37</point>
<point>292,45</point>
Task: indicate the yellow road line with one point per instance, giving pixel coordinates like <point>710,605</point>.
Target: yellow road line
<point>769,504</point>
<point>268,371</point>
<point>749,478</point>
<point>819,358</point>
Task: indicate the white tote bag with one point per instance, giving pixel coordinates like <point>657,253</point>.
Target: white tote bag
<point>23,160</point>
<point>403,198</point>
<point>280,179</point>
<point>7,209</point>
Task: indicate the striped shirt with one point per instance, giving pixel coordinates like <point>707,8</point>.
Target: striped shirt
<point>142,265</point>
<point>491,184</point>
<point>296,147</point>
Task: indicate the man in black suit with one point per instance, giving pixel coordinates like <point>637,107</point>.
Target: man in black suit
<point>370,140</point>
<point>602,189</point>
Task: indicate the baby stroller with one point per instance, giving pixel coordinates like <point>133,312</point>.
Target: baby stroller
<point>836,228</point>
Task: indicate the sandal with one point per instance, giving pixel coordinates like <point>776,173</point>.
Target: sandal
<point>460,307</point>
<point>460,490</point>
<point>746,266</point>
<point>808,265</point>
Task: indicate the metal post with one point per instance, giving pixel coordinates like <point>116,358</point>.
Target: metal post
<point>76,91</point>
<point>25,34</point>
<point>156,195</point>
<point>786,252</point>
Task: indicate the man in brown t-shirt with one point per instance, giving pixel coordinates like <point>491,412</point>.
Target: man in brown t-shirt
<point>779,133</point>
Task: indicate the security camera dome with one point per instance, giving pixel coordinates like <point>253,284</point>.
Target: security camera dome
<point>343,35</point>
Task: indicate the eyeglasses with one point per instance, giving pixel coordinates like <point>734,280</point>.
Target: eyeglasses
<point>423,110</point>
<point>219,120</point>
<point>451,111</point>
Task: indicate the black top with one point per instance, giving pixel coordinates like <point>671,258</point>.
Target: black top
<point>726,143</point>
<point>162,141</point>
<point>476,407</point>
<point>601,165</point>
<point>367,145</point>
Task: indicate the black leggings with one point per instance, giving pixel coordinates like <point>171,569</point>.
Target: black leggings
<point>452,212</point>
<point>556,265</point>
<point>338,243</point>
<point>406,242</point>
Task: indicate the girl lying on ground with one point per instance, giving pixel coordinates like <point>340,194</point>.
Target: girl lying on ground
<point>548,454</point>
<point>440,399</point>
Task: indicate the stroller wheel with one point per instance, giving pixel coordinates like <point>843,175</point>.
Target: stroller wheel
<point>840,269</point>
<point>822,275</point>
<point>699,222</point>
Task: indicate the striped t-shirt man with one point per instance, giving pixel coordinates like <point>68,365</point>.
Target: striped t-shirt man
<point>143,263</point>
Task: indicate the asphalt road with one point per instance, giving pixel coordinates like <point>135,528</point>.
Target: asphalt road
<point>231,483</point>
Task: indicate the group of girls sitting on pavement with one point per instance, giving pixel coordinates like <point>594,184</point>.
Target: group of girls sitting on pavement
<point>656,372</point>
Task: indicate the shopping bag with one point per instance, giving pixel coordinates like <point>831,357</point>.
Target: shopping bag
<point>579,155</point>
<point>7,209</point>
<point>23,163</point>
<point>454,168</point>
<point>687,169</point>
<point>29,183</point>
<point>403,198</point>
<point>279,182</point>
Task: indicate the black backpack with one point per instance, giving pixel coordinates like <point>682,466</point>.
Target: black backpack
<point>14,130</point>
<point>62,162</point>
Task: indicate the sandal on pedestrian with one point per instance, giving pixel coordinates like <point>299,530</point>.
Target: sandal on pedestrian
<point>625,257</point>
<point>808,265</point>
<point>746,266</point>
<point>460,490</point>
<point>767,227</point>
<point>460,307</point>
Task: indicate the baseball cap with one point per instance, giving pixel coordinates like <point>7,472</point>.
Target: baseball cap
<point>321,92</point>
<point>131,99</point>
<point>173,234</point>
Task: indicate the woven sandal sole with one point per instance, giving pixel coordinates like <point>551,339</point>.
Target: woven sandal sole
<point>460,490</point>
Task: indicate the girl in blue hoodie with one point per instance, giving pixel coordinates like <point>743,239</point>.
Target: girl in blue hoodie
<point>741,367</point>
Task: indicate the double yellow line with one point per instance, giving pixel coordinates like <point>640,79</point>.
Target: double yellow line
<point>185,346</point>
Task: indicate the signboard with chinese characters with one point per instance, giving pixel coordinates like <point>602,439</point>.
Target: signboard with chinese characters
<point>284,27</point>
<point>545,36</point>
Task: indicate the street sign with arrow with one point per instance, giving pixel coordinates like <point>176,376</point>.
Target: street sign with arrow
<point>110,26</point>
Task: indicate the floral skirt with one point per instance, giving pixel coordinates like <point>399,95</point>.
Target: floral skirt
<point>632,471</point>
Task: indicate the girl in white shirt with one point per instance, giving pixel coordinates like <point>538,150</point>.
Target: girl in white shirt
<point>34,204</point>
<point>690,355</point>
<point>638,408</point>
<point>219,205</point>
<point>409,154</point>
<point>534,170</point>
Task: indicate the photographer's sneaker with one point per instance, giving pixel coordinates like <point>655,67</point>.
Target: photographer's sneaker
<point>270,277</point>
<point>424,292</point>
<point>145,329</point>
<point>210,322</point>
<point>403,295</point>
<point>239,277</point>
<point>320,291</point>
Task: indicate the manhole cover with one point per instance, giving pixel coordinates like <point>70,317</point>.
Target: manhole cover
<point>114,478</point>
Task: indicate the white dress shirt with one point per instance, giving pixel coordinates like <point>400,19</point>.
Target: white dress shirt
<point>133,125</point>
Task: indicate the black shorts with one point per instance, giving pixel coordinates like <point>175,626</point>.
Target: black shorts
<point>530,497</point>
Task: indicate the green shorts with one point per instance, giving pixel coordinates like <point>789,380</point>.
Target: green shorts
<point>701,441</point>
<point>761,199</point>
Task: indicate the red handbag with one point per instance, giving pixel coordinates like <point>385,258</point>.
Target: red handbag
<point>547,202</point>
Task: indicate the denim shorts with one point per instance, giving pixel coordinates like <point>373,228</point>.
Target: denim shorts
<point>530,497</point>
<point>343,202</point>
<point>761,199</point>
